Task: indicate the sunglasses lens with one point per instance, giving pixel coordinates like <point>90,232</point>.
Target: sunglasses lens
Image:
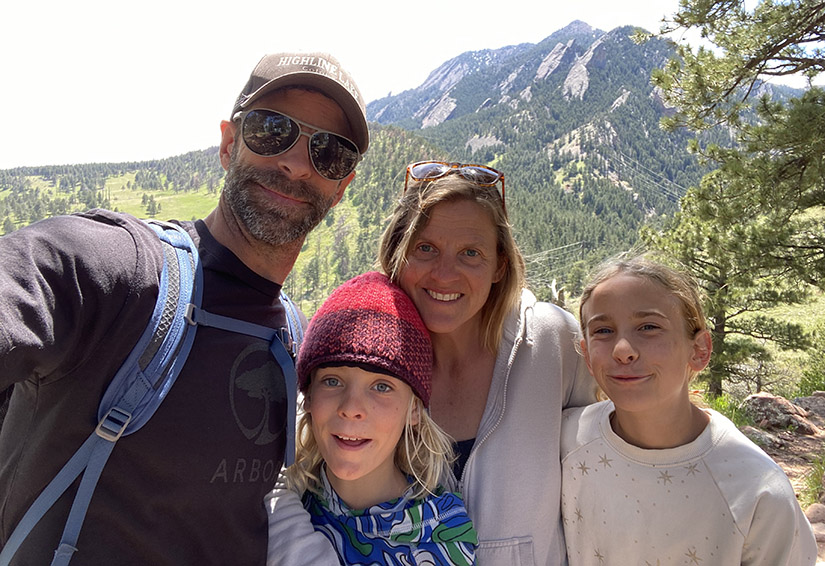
<point>333,156</point>
<point>269,133</point>
<point>479,175</point>
<point>428,170</point>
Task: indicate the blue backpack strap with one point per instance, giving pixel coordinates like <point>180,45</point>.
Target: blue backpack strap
<point>296,336</point>
<point>133,395</point>
<point>147,375</point>
<point>281,343</point>
<point>294,325</point>
<point>156,361</point>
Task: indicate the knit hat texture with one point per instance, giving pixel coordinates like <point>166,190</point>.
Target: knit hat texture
<point>369,321</point>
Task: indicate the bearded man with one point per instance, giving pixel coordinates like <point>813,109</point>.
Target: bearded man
<point>76,293</point>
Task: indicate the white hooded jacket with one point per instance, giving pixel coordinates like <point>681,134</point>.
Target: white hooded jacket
<point>512,480</point>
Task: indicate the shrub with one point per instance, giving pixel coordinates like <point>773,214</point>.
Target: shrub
<point>813,374</point>
<point>729,407</point>
<point>812,486</point>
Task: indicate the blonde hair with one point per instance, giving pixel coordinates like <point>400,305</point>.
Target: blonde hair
<point>411,215</point>
<point>424,453</point>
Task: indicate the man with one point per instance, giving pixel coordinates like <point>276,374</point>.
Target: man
<point>77,291</point>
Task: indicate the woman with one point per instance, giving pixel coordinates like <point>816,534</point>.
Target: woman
<point>505,365</point>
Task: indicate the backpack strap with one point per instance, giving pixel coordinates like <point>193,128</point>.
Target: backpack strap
<point>283,345</point>
<point>294,324</point>
<point>146,376</point>
<point>155,362</point>
<point>295,329</point>
<point>134,393</point>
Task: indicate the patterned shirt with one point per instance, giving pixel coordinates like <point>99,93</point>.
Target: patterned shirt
<point>718,500</point>
<point>435,530</point>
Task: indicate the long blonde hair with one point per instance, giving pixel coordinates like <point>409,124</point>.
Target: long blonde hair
<point>411,215</point>
<point>424,453</point>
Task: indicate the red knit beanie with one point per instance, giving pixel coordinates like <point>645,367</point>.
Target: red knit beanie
<point>369,321</point>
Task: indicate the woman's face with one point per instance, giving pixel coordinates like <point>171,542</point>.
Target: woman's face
<point>451,266</point>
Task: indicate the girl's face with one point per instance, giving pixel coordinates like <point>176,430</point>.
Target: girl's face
<point>357,419</point>
<point>452,265</point>
<point>637,345</point>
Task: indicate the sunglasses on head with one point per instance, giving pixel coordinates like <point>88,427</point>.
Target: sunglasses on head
<point>480,175</point>
<point>270,133</point>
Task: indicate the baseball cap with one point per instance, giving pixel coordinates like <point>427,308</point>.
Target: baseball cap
<point>320,71</point>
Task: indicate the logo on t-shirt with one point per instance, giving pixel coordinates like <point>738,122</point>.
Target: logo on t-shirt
<point>258,395</point>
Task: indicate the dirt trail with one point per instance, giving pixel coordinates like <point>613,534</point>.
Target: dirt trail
<point>796,457</point>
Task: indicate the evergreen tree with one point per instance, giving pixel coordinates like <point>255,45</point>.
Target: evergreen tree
<point>752,230</point>
<point>779,160</point>
<point>711,85</point>
<point>740,284</point>
<point>152,207</point>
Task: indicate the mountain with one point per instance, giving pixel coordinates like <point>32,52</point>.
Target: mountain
<point>479,79</point>
<point>572,121</point>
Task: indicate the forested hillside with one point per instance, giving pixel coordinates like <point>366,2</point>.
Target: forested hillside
<point>572,121</point>
<point>28,194</point>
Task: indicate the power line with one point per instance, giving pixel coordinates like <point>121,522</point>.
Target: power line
<point>539,270</point>
<point>672,190</point>
<point>545,254</point>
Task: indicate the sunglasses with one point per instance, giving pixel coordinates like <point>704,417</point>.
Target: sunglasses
<point>271,133</point>
<point>480,175</point>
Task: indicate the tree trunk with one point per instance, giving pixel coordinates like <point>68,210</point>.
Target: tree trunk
<point>716,368</point>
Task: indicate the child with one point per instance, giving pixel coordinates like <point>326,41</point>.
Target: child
<point>648,477</point>
<point>370,461</point>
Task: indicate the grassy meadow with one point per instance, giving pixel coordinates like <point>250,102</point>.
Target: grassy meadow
<point>177,205</point>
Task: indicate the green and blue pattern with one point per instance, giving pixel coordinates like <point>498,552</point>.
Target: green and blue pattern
<point>434,531</point>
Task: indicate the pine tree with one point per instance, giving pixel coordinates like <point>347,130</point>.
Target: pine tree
<point>740,285</point>
<point>752,230</point>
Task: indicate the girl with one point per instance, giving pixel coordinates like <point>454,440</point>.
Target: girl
<point>648,477</point>
<point>371,462</point>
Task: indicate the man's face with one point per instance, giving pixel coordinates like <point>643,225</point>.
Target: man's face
<point>280,199</point>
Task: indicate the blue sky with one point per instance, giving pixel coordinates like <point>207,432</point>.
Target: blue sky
<point>101,81</point>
